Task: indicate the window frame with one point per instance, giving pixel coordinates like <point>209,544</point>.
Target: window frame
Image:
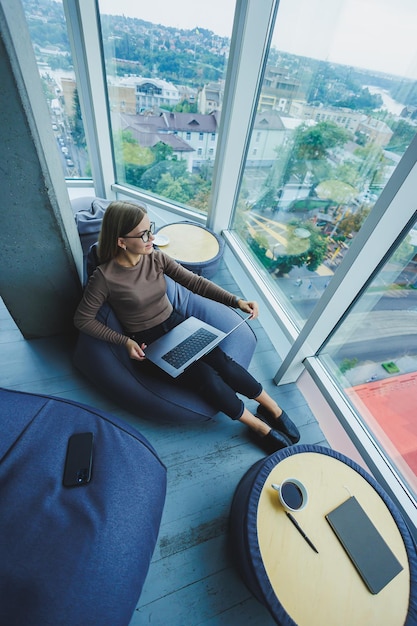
<point>84,35</point>
<point>391,216</point>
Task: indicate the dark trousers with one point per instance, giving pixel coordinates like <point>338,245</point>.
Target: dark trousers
<point>216,376</point>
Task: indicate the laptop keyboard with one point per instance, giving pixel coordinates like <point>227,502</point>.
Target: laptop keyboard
<point>189,347</point>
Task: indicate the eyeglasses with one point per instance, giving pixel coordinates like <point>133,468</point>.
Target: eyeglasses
<point>145,235</point>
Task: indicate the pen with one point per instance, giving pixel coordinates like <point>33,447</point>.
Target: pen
<point>301,531</point>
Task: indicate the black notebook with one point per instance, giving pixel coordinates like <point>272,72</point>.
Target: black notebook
<point>368,551</point>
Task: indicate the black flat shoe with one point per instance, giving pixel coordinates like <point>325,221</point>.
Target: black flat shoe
<point>282,423</point>
<point>272,442</point>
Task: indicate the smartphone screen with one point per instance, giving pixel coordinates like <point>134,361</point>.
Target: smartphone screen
<point>79,460</point>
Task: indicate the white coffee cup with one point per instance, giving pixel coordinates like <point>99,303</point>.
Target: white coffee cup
<point>292,494</point>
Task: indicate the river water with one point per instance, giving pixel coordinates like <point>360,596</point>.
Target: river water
<point>389,103</point>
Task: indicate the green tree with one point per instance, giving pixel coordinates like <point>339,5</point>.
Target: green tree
<point>190,107</point>
<point>362,101</point>
<point>313,143</point>
<point>153,174</point>
<point>309,254</point>
<point>162,152</point>
<point>308,151</point>
<point>48,89</point>
<point>133,174</point>
<point>348,364</point>
<point>201,199</point>
<point>349,172</point>
<point>185,106</point>
<point>129,152</point>
<point>314,254</point>
<point>132,160</point>
<point>76,123</point>
<point>311,148</point>
<point>186,189</point>
<point>352,222</point>
<point>402,137</point>
<point>332,85</point>
<point>171,188</point>
<point>372,163</point>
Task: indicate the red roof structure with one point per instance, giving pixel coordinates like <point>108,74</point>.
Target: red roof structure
<point>388,406</point>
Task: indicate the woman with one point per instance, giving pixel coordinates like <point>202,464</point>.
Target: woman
<point>130,276</point>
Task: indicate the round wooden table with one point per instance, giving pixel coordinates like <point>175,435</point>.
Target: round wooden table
<point>194,246</point>
<point>297,585</point>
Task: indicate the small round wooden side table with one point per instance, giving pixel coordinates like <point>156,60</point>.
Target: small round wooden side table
<point>297,585</point>
<point>194,246</point>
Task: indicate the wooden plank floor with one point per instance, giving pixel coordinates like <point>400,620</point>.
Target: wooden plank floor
<point>192,579</point>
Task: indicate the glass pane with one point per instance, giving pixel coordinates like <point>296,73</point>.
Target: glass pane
<point>373,356</point>
<point>49,35</point>
<point>165,65</point>
<point>336,112</point>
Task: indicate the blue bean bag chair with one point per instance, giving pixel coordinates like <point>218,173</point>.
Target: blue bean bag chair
<point>109,367</point>
<point>244,540</point>
<point>88,215</point>
<point>73,556</point>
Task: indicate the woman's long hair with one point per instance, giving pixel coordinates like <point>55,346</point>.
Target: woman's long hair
<point>119,219</point>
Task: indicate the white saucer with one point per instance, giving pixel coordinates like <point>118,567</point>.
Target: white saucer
<point>161,240</point>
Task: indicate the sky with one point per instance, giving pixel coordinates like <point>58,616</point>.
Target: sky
<point>375,34</point>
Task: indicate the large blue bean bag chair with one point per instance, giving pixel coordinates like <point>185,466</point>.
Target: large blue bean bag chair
<point>88,215</point>
<point>73,556</point>
<point>109,367</point>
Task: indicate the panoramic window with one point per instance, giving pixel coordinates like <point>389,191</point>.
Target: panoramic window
<point>48,32</point>
<point>373,356</point>
<point>336,111</point>
<point>165,67</point>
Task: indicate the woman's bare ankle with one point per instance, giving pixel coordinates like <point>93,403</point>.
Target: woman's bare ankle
<point>275,412</point>
<point>261,428</point>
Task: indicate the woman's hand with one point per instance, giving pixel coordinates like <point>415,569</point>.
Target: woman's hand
<point>249,307</point>
<point>135,351</point>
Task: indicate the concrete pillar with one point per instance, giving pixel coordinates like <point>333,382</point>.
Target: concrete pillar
<point>40,251</point>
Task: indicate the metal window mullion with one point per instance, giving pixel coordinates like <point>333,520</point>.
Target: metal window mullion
<point>252,30</point>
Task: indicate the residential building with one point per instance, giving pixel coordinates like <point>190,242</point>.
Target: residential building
<point>210,97</point>
<point>278,91</point>
<point>192,136</point>
<point>347,118</point>
<point>376,131</point>
<point>154,92</point>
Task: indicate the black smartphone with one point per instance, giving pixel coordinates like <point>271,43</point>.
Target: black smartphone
<point>79,460</point>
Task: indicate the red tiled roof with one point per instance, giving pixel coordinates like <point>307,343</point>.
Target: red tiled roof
<point>389,405</point>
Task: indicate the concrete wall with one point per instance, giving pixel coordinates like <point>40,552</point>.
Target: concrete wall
<point>40,251</point>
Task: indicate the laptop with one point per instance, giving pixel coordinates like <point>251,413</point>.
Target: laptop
<point>186,343</point>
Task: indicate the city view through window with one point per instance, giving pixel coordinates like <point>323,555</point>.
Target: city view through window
<point>326,139</point>
<point>336,111</point>
<point>165,86</point>
<point>48,31</point>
